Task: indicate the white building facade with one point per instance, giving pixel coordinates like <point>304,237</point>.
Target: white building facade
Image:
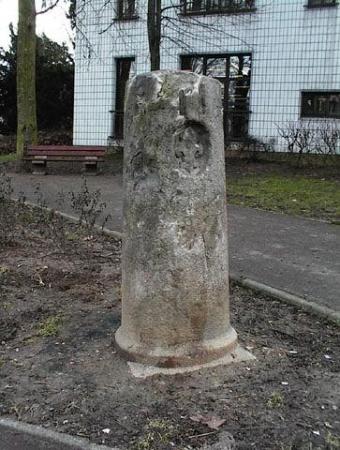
<point>278,62</point>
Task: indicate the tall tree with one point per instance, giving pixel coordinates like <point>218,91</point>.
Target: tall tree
<point>27,130</point>
<point>8,85</point>
<point>54,84</point>
<point>72,13</point>
<point>154,23</point>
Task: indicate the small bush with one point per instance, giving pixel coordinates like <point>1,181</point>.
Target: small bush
<point>306,138</point>
<point>158,434</point>
<point>89,207</point>
<point>275,400</point>
<point>50,327</point>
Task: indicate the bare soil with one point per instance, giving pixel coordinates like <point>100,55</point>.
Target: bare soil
<point>58,366</point>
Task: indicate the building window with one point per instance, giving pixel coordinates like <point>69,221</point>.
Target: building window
<point>125,70</point>
<point>217,6</point>
<point>126,9</point>
<point>233,71</point>
<point>321,3</point>
<point>324,104</point>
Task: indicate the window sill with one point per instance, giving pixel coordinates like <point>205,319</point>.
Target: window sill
<point>125,19</point>
<point>311,117</point>
<point>218,12</point>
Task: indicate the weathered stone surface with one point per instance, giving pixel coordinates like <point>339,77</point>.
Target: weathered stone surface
<point>238,355</point>
<point>175,290</point>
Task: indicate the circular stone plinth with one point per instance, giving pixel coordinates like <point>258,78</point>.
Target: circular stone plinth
<point>191,354</point>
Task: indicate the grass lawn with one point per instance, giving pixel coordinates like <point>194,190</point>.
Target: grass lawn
<point>8,157</point>
<point>289,194</point>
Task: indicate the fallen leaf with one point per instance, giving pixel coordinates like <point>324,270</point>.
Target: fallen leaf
<point>213,422</point>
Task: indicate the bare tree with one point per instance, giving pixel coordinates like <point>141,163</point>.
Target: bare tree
<point>307,137</point>
<point>329,138</point>
<point>154,21</point>
<point>167,22</point>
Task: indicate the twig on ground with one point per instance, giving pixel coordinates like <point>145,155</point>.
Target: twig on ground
<point>202,435</point>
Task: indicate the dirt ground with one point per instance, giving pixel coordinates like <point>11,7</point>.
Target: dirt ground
<point>58,366</point>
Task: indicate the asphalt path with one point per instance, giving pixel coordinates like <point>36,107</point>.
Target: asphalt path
<point>296,255</point>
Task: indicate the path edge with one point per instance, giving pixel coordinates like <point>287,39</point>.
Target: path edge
<point>285,297</point>
<point>28,434</point>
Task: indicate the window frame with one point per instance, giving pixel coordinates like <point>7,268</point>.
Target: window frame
<point>304,115</point>
<point>313,4</point>
<point>227,111</point>
<point>118,119</point>
<point>215,11</point>
<point>131,15</point>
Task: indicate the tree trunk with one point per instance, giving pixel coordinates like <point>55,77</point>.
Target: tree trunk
<point>154,32</point>
<point>26,90</point>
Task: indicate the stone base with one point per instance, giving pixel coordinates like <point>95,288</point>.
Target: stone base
<point>188,355</point>
<point>143,371</point>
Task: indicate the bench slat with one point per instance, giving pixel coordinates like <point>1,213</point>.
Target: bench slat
<point>89,155</point>
<point>62,158</point>
<point>64,154</point>
<point>65,148</point>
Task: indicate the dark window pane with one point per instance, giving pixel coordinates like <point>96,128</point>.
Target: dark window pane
<point>125,71</point>
<point>334,105</point>
<point>126,9</point>
<point>322,3</point>
<point>193,63</point>
<point>215,6</point>
<point>320,104</point>
<point>186,63</point>
<point>198,5</point>
<point>234,73</point>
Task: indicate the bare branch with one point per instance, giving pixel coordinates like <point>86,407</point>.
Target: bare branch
<point>48,8</point>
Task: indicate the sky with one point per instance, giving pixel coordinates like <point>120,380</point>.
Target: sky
<point>54,23</point>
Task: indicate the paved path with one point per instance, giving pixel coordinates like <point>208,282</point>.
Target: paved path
<point>16,435</point>
<point>299,256</point>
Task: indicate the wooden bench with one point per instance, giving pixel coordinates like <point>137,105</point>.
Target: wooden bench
<point>39,155</point>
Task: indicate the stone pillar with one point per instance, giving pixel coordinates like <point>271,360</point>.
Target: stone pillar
<point>175,293</point>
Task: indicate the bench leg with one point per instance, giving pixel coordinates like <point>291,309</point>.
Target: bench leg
<point>90,167</point>
<point>39,167</point>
